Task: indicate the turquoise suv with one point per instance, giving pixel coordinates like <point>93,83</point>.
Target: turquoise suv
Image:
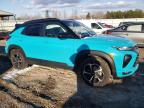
<point>70,44</point>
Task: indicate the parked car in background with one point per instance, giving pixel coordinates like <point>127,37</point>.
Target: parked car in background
<point>4,35</point>
<point>129,22</point>
<point>107,25</point>
<point>134,31</point>
<point>98,27</point>
<point>70,44</point>
<point>125,23</point>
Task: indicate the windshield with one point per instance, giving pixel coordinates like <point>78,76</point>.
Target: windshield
<point>102,25</point>
<point>80,29</point>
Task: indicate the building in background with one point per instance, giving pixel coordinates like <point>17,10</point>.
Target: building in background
<point>5,15</point>
<point>5,21</point>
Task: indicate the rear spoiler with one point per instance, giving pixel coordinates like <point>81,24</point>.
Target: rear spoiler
<point>16,27</point>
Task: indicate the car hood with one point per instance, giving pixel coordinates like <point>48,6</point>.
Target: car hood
<point>110,41</point>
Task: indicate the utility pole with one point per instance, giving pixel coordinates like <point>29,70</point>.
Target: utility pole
<point>47,14</point>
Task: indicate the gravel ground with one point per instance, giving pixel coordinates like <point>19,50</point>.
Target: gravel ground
<point>45,87</point>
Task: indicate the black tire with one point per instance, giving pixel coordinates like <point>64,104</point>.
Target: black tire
<point>96,72</point>
<point>18,59</point>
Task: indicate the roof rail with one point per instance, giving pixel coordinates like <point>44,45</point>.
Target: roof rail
<point>39,20</point>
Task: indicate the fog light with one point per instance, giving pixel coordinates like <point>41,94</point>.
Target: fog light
<point>126,73</point>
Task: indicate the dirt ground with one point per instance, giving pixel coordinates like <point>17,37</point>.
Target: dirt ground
<point>45,87</point>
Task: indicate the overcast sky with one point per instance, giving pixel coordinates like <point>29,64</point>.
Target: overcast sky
<point>34,7</point>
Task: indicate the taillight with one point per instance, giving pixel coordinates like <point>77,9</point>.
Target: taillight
<point>107,32</point>
<point>104,32</point>
<point>6,37</point>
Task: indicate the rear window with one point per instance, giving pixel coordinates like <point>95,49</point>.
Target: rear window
<point>95,26</point>
<point>33,30</point>
<point>137,28</point>
<point>121,28</point>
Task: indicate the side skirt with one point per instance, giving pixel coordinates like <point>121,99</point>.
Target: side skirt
<point>48,63</point>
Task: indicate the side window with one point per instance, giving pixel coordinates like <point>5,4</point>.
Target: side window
<point>95,26</point>
<point>136,28</point>
<point>33,30</point>
<point>53,30</point>
<point>122,28</point>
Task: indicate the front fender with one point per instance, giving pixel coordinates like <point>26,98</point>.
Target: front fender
<point>103,55</point>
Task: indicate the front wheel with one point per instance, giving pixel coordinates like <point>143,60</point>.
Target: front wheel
<point>18,59</point>
<point>96,72</point>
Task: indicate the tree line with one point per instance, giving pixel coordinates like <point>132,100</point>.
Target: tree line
<point>125,14</point>
<point>117,14</point>
<point>90,15</point>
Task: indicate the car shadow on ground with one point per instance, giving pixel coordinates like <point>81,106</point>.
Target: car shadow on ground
<point>5,63</point>
<point>127,94</point>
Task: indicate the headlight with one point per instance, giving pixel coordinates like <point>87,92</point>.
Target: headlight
<point>123,48</point>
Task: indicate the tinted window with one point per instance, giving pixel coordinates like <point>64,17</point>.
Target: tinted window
<point>122,28</point>
<point>137,28</point>
<point>95,26</point>
<point>53,30</point>
<point>33,30</point>
<point>80,29</point>
<point>101,24</point>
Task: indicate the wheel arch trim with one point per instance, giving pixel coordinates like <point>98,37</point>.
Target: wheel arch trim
<point>14,47</point>
<point>101,54</point>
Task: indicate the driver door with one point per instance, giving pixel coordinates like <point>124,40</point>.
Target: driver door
<point>58,46</point>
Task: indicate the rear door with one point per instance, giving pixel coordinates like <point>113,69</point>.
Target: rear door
<point>32,41</point>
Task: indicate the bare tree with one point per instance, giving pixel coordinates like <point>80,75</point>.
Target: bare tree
<point>98,15</point>
<point>64,13</point>
<point>88,16</point>
<point>74,14</point>
<point>55,13</point>
<point>47,14</point>
<point>29,17</point>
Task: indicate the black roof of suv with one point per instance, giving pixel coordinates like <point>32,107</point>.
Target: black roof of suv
<point>40,21</point>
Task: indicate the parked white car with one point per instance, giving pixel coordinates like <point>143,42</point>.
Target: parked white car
<point>98,27</point>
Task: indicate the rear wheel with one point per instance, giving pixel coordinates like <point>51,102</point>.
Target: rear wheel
<point>18,59</point>
<point>96,72</point>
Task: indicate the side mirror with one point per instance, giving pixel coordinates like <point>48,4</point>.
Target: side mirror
<point>62,35</point>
